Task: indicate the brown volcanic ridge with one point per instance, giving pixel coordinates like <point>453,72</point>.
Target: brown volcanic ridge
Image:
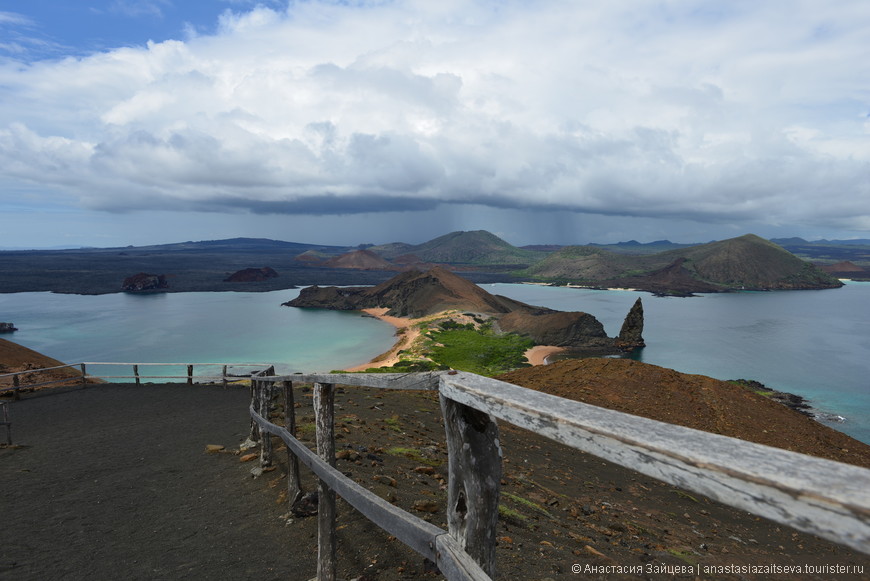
<point>15,357</point>
<point>417,294</point>
<point>694,401</point>
<point>846,269</point>
<point>361,260</point>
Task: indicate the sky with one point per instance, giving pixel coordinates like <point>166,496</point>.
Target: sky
<point>373,121</point>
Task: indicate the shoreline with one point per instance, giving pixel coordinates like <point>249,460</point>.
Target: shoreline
<point>539,354</point>
<point>408,332</point>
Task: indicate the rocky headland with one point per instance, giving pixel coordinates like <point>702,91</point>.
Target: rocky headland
<point>416,294</point>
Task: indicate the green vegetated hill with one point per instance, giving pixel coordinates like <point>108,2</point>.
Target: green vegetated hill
<point>752,262</point>
<point>586,263</point>
<point>475,248</point>
<point>745,262</point>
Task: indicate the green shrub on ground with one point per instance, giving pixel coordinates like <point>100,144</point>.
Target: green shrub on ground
<point>481,351</point>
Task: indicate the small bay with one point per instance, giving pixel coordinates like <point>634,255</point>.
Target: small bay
<point>199,327</point>
<point>812,343</point>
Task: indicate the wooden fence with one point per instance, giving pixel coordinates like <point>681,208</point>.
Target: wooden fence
<point>16,384</point>
<point>13,381</point>
<point>820,497</point>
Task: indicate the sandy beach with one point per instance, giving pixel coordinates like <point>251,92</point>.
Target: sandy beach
<point>405,330</point>
<point>538,354</point>
<point>408,332</point>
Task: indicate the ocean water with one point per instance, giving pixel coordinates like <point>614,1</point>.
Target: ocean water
<point>812,343</point>
<point>209,327</point>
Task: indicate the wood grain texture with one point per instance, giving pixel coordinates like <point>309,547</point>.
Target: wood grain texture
<point>324,413</point>
<point>818,496</point>
<point>427,539</point>
<point>474,477</point>
<point>422,381</point>
<point>294,482</point>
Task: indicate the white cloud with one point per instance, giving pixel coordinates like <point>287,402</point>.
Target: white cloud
<point>13,18</point>
<point>676,109</point>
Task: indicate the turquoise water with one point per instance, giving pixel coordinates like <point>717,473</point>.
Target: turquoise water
<point>813,343</point>
<point>214,327</point>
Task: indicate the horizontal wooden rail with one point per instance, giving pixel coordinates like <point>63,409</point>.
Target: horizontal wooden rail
<point>225,377</point>
<point>14,373</point>
<point>15,386</point>
<point>171,364</point>
<point>421,380</point>
<point>101,376</point>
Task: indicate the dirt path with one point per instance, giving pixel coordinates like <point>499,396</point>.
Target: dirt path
<point>113,482</point>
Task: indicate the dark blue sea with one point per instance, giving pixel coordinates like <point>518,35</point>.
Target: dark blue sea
<point>812,343</point>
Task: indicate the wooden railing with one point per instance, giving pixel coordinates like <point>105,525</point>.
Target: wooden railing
<point>16,384</point>
<point>821,497</point>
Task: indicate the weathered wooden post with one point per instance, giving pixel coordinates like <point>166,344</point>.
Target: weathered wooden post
<point>84,375</point>
<point>294,487</point>
<point>6,422</point>
<point>265,437</point>
<point>474,466</point>
<point>136,374</point>
<point>254,436</point>
<point>324,410</point>
<point>190,375</point>
<point>224,376</point>
<point>16,383</point>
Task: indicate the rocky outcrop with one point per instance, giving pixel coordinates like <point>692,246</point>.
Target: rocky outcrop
<point>417,294</point>
<point>410,294</point>
<point>7,328</point>
<point>145,282</point>
<point>563,329</point>
<point>333,298</point>
<point>252,275</point>
<point>631,334</point>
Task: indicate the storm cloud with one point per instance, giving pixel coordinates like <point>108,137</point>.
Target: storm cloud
<point>681,109</point>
